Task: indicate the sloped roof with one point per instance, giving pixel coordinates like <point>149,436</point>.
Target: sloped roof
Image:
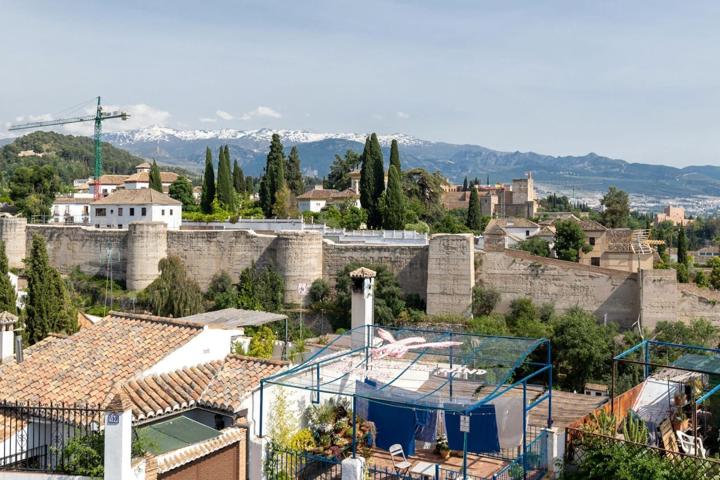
<point>112,179</point>
<point>228,318</point>
<point>143,196</point>
<point>221,385</point>
<point>72,200</point>
<point>514,222</point>
<point>84,367</point>
<point>143,165</point>
<point>182,456</point>
<point>318,194</point>
<point>144,177</point>
<point>619,240</point>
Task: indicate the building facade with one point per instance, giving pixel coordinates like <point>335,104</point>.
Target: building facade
<point>121,208</point>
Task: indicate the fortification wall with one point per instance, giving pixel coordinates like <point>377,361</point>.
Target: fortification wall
<point>408,263</point>
<point>659,297</point>
<point>450,274</point>
<point>12,232</point>
<point>604,292</point>
<point>694,302</point>
<point>206,252</point>
<point>83,247</point>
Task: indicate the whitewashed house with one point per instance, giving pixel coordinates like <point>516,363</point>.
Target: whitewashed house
<point>108,184</point>
<point>141,178</point>
<point>71,210</point>
<point>318,198</point>
<point>124,206</point>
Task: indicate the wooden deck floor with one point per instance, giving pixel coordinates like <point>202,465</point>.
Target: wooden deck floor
<point>478,465</point>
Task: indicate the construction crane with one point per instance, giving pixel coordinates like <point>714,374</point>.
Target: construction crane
<point>98,119</point>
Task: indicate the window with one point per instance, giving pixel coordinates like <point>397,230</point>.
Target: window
<point>132,212</point>
<point>120,212</point>
<point>100,212</point>
<point>592,240</point>
<point>595,261</point>
<point>527,233</point>
<point>97,225</point>
<point>171,212</point>
<point>162,212</point>
<point>120,226</point>
<point>143,211</point>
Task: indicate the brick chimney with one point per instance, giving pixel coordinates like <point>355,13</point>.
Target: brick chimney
<point>361,312</point>
<point>7,336</point>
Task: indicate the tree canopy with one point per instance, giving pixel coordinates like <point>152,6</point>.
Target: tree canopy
<point>616,208</point>
<point>225,189</point>
<point>474,215</point>
<point>273,180</point>
<point>181,190</point>
<point>393,212</point>
<point>7,291</point>
<point>339,176</point>
<point>208,186</point>
<point>294,173</point>
<point>569,240</point>
<point>174,293</point>
<point>155,180</point>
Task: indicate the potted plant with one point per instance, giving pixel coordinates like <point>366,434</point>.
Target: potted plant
<point>442,447</point>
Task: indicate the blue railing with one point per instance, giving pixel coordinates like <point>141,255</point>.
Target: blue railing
<point>534,466</point>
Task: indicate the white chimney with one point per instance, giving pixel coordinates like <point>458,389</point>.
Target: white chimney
<point>7,336</point>
<point>361,312</point>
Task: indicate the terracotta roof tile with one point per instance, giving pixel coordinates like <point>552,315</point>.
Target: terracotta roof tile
<point>222,384</point>
<point>177,458</point>
<point>144,177</point>
<point>143,196</point>
<point>85,367</point>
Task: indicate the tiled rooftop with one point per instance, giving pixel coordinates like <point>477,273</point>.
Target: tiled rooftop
<point>84,367</point>
<point>222,385</point>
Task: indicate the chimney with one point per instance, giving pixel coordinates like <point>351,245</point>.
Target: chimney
<point>361,312</point>
<point>7,336</point>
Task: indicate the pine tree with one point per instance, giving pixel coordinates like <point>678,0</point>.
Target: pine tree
<point>155,180</point>
<point>465,185</point>
<point>225,189</point>
<point>208,187</point>
<point>238,178</point>
<point>474,217</point>
<point>394,208</point>
<point>274,176</point>
<point>48,307</point>
<point>7,291</point>
<point>394,158</point>
<point>682,246</point>
<point>294,173</point>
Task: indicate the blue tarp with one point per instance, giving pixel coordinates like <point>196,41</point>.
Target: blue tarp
<point>483,435</point>
<point>393,425</point>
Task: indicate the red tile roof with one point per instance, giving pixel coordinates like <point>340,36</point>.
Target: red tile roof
<point>85,367</point>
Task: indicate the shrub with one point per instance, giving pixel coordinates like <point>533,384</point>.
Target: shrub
<point>262,343</point>
<point>319,290</point>
<point>484,300</point>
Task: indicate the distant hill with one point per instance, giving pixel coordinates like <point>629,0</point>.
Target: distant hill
<point>73,157</point>
<point>590,173</point>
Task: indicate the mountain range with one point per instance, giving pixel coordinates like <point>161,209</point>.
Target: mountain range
<point>586,173</point>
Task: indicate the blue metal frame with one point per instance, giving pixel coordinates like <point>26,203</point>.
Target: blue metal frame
<point>322,357</point>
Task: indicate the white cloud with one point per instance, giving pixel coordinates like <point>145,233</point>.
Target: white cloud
<point>208,120</point>
<point>403,115</point>
<point>261,111</point>
<point>43,117</point>
<point>224,115</point>
<point>377,116</point>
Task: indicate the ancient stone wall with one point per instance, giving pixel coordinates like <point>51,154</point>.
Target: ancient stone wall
<point>206,252</point>
<point>607,293</point>
<point>659,297</point>
<point>694,302</point>
<point>12,232</point>
<point>408,262</point>
<point>86,248</point>
<point>299,259</point>
<point>146,246</point>
<point>450,274</point>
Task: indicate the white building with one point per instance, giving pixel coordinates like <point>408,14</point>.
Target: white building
<point>141,178</point>
<point>318,198</point>
<point>108,184</point>
<point>124,206</point>
<point>71,210</point>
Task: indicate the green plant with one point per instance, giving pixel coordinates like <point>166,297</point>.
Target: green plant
<point>302,440</point>
<point>603,423</point>
<point>262,343</point>
<point>634,430</point>
<point>484,300</point>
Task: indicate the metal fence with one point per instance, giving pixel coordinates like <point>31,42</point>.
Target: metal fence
<point>587,452</point>
<point>532,466</point>
<point>35,437</point>
<point>282,464</point>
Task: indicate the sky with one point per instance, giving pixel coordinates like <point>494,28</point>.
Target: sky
<point>637,80</point>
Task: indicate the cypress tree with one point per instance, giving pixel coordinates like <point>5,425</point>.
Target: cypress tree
<point>224,182</point>
<point>378,170</point>
<point>394,211</point>
<point>155,180</point>
<point>48,307</point>
<point>682,256</point>
<point>474,217</point>
<point>394,158</point>
<point>238,178</point>
<point>294,175</point>
<point>208,186</point>
<point>274,176</point>
<point>367,185</point>
<point>465,185</point>
<point>7,291</point>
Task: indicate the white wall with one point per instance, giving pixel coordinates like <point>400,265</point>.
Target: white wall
<point>209,345</point>
<point>172,215</point>
<point>311,205</point>
<point>105,189</point>
<point>79,212</point>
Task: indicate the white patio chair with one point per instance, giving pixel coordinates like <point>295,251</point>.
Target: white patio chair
<point>687,443</point>
<point>402,466</point>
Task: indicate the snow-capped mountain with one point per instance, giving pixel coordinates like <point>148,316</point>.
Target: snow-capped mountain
<point>262,136</point>
<point>589,173</point>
